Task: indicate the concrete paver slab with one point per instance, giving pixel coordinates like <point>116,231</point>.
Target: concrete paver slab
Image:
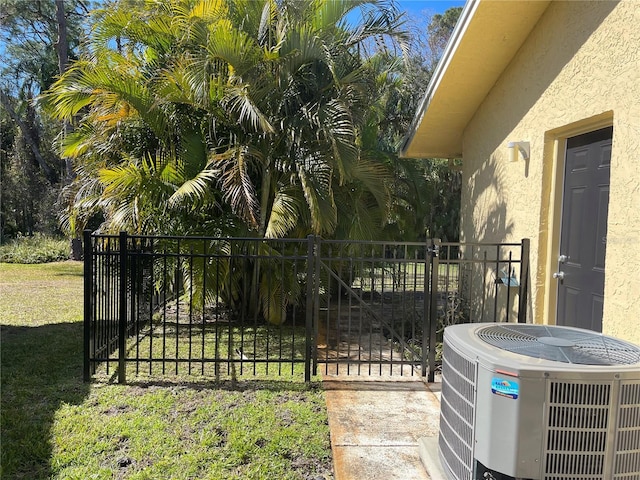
<point>376,423</point>
<point>428,449</point>
<point>375,463</point>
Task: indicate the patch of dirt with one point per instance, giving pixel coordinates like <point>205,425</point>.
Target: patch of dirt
<point>116,410</point>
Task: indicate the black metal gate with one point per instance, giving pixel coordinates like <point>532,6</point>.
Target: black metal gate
<point>226,307</point>
<point>372,312</point>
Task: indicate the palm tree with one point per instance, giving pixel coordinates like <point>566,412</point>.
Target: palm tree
<point>257,106</point>
<point>234,116</point>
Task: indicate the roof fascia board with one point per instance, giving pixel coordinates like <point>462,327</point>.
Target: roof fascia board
<point>452,45</point>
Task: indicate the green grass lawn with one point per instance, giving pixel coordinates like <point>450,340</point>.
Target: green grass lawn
<point>55,426</point>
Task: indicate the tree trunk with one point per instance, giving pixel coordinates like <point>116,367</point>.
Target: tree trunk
<point>265,191</point>
<point>62,45</point>
<point>49,173</point>
<point>62,49</point>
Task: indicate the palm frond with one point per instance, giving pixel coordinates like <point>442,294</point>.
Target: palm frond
<point>209,9</point>
<point>236,184</point>
<point>316,186</point>
<point>195,189</point>
<point>341,134</point>
<point>239,103</point>
<point>381,20</point>
<point>233,46</point>
<point>284,215</point>
<point>360,217</point>
<point>122,179</point>
<point>268,21</point>
<point>279,286</point>
<point>374,177</point>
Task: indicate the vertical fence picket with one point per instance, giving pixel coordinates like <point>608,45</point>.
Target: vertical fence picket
<point>134,294</point>
<point>372,268</point>
<point>94,307</point>
<point>315,281</point>
<point>507,278</point>
<point>88,300</point>
<point>433,308</point>
<point>165,280</point>
<point>308,345</point>
<point>122,317</point>
<point>178,291</point>
<point>203,333</point>
<point>152,296</point>
<point>426,315</point>
<point>524,280</point>
<point>495,285</point>
<point>383,281</point>
<point>108,302</point>
<point>190,327</point>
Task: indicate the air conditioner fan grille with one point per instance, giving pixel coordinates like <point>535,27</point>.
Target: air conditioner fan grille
<point>560,344</point>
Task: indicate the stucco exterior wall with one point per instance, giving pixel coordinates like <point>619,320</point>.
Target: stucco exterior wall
<point>578,70</point>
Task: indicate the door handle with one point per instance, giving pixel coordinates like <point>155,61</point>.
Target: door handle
<point>559,275</point>
<point>563,258</point>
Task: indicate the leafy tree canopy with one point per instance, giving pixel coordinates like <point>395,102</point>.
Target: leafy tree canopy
<point>33,33</point>
<point>273,118</point>
<point>248,113</point>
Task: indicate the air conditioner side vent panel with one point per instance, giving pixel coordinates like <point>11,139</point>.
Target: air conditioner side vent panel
<point>457,411</point>
<point>627,452</point>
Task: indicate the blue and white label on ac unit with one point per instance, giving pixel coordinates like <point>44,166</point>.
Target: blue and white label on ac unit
<point>505,388</point>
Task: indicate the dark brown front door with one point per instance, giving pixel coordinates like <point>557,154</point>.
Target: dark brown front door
<point>583,236</point>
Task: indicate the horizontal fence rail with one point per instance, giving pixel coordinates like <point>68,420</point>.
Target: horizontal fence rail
<point>228,307</point>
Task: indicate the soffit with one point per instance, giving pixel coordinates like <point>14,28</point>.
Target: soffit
<point>485,40</point>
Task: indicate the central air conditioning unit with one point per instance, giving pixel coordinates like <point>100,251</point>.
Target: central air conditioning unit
<point>538,402</point>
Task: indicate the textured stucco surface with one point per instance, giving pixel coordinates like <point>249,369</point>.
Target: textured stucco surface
<point>579,68</point>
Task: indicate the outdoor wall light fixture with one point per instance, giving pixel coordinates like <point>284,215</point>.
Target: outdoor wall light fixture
<point>515,147</point>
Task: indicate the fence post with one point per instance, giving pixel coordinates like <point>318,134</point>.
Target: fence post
<point>426,323</point>
<point>317,260</point>
<point>433,308</point>
<point>122,317</point>
<point>524,280</point>
<point>308,351</point>
<point>88,311</point>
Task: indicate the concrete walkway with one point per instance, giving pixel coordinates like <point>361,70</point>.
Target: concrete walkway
<point>376,423</point>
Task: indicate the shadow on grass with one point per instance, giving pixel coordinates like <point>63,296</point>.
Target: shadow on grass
<point>231,385</point>
<point>68,271</point>
<point>41,370</point>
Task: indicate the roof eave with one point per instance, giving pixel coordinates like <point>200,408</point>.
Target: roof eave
<point>447,55</point>
<point>486,38</point>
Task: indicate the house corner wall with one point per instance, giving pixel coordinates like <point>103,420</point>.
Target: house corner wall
<point>579,70</point>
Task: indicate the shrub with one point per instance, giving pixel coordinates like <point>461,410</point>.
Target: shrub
<point>36,249</point>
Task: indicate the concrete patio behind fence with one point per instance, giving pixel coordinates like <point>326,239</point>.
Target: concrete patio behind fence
<point>379,426</point>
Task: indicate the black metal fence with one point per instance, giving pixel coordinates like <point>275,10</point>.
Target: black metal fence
<point>226,307</point>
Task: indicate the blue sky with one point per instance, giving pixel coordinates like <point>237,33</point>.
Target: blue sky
<point>418,12</point>
<point>427,7</point>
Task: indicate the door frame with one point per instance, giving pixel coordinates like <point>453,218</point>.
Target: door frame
<point>555,151</point>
